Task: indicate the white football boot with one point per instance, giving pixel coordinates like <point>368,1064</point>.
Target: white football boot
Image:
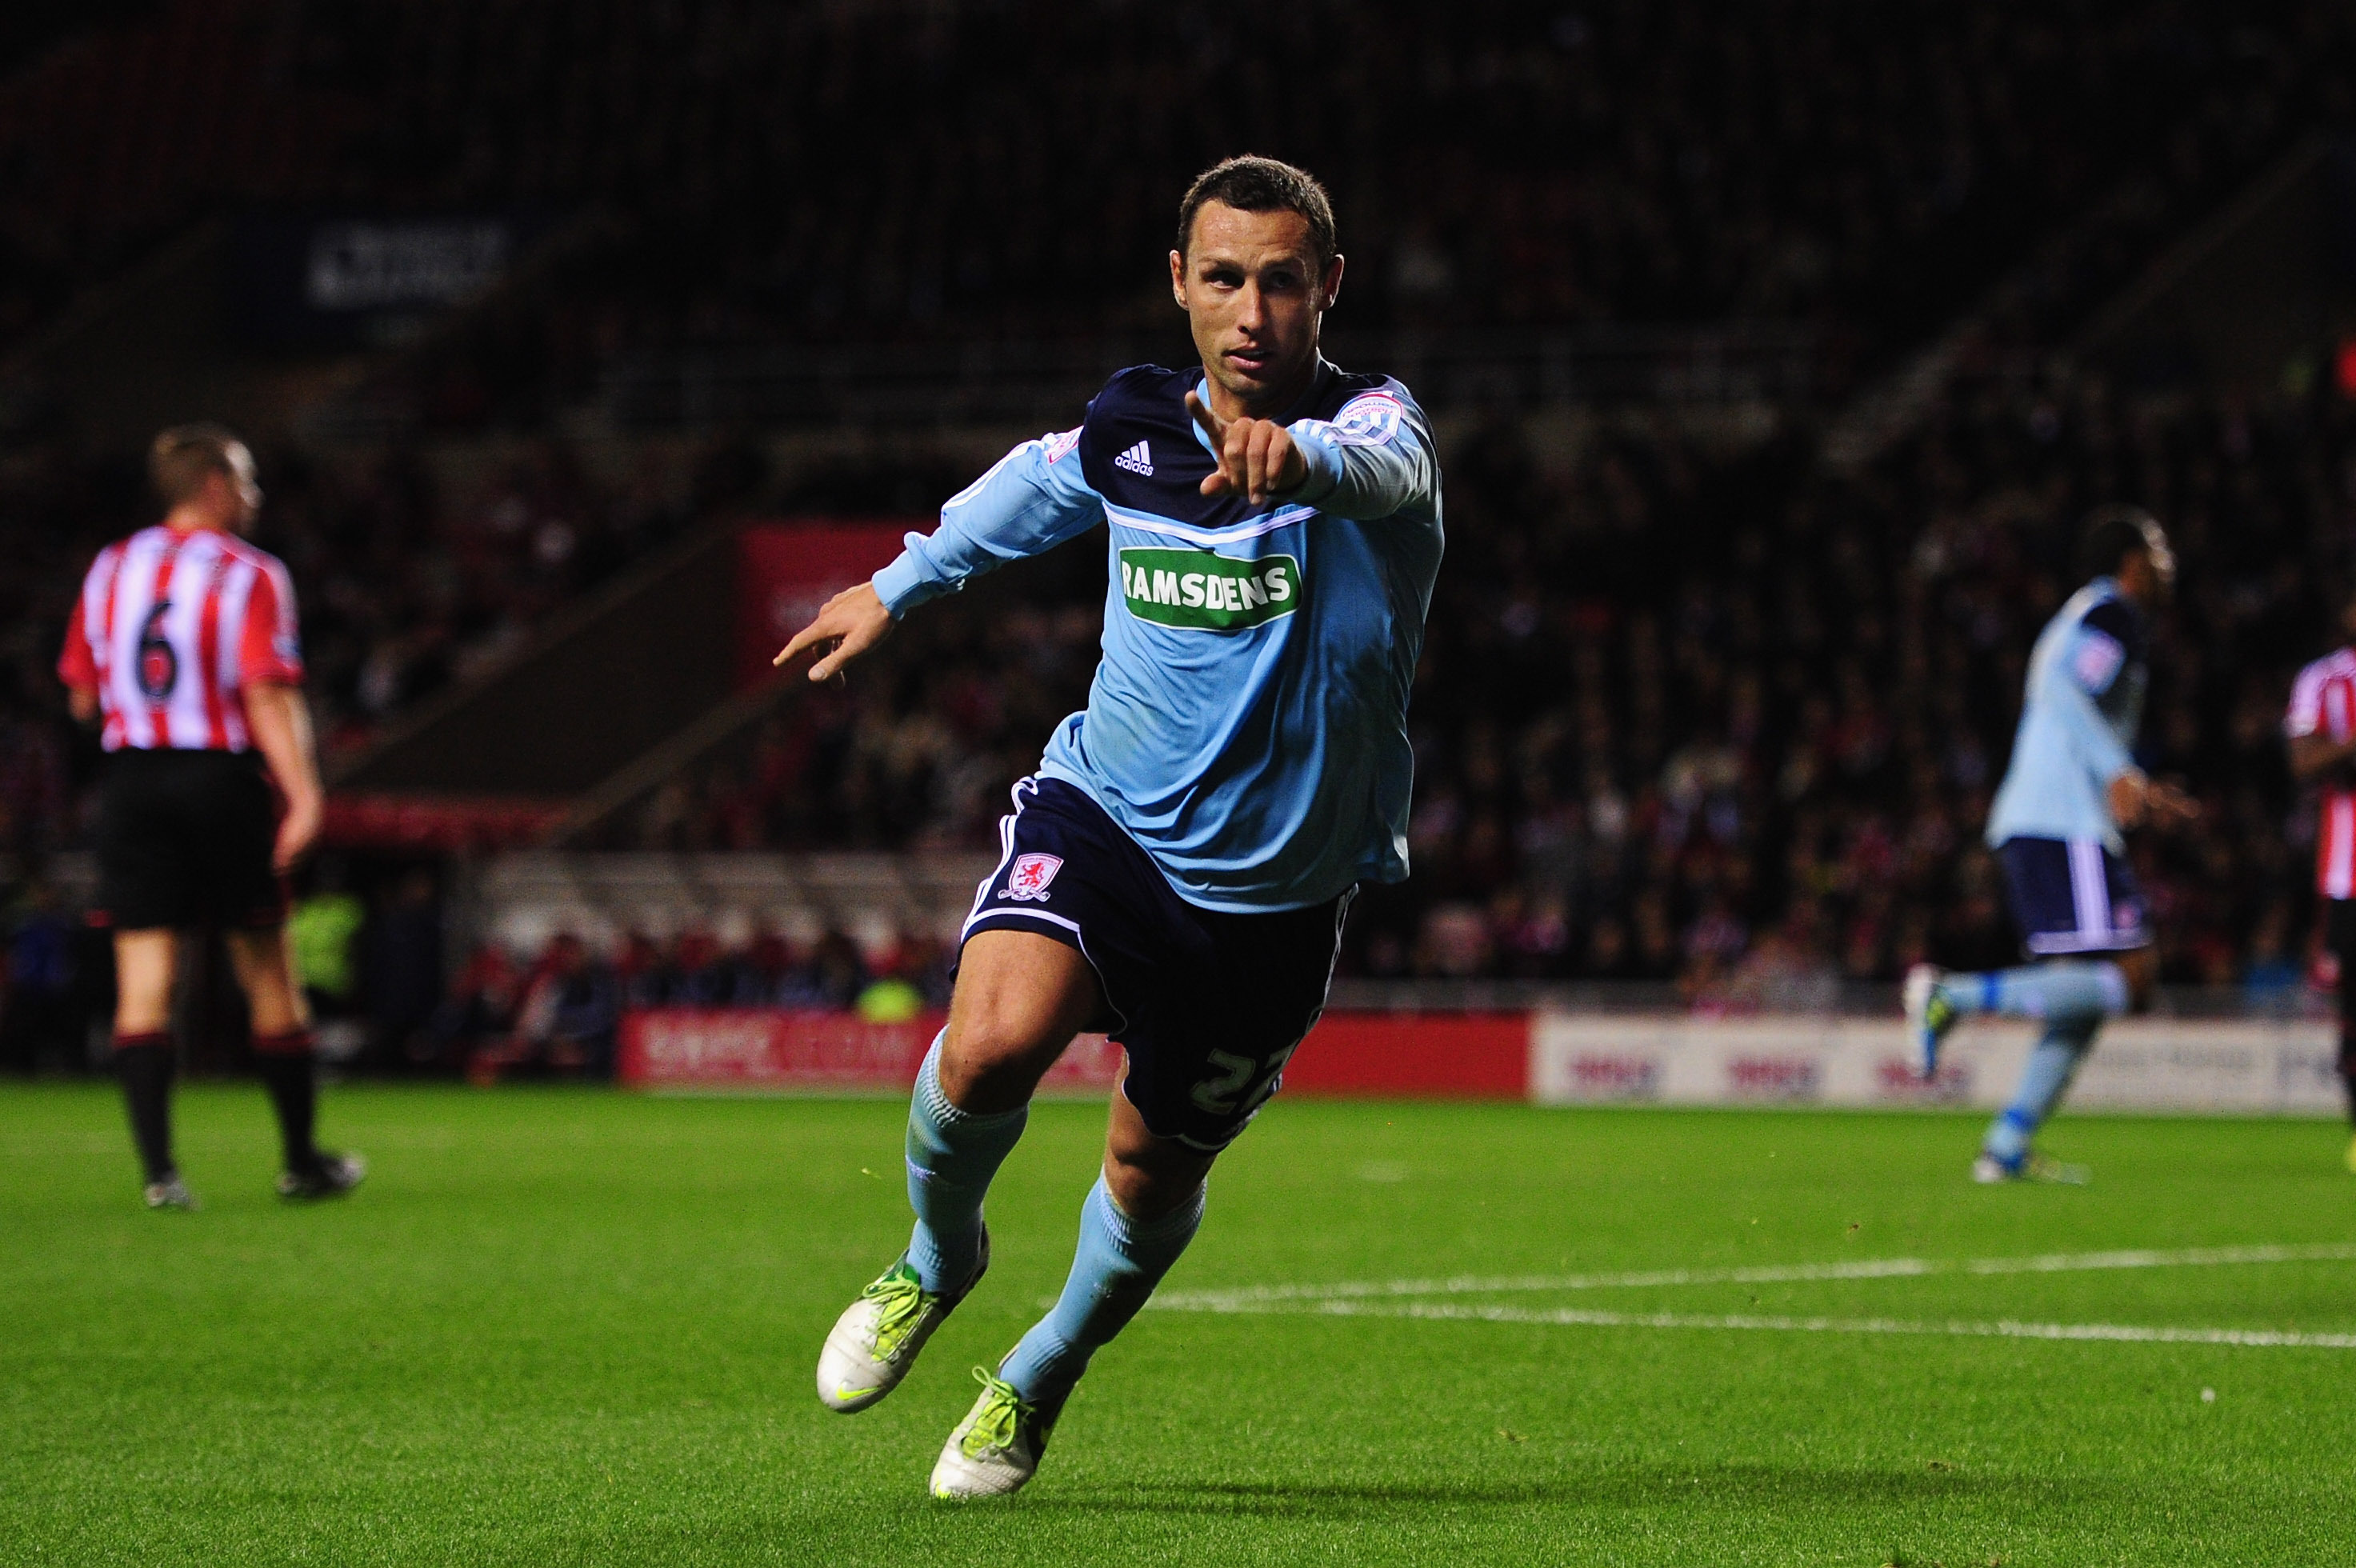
<point>996,1448</point>
<point>876,1340</point>
<point>1989,1171</point>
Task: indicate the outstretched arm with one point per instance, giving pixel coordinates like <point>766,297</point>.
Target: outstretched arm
<point>2137,799</point>
<point>1032,499</point>
<point>1370,460</point>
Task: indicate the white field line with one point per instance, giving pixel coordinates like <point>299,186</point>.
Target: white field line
<point>2002,1329</point>
<point>1249,1297</point>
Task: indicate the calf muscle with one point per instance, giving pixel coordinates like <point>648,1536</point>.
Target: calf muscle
<point>1149,1177</point>
<point>145,962</point>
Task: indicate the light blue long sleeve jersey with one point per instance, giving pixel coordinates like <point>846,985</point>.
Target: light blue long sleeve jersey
<point>1248,722</point>
<point>2078,722</point>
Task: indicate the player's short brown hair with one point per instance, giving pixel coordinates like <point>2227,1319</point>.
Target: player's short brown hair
<point>2111,533</point>
<point>180,457</point>
<point>1262,185</point>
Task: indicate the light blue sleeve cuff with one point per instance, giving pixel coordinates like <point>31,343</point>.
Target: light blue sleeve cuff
<point>1324,461</point>
<point>903,586</point>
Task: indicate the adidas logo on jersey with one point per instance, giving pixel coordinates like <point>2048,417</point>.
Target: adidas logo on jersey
<point>1137,459</point>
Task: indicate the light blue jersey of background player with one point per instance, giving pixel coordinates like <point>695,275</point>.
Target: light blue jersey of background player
<point>2055,825</point>
<point>2078,720</point>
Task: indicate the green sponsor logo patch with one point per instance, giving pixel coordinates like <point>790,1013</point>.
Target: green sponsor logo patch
<point>1208,593</point>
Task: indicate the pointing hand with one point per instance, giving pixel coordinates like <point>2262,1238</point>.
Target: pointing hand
<point>851,622</point>
<point>1257,458</point>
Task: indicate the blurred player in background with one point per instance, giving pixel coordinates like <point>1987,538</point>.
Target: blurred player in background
<point>1177,873</point>
<point>183,643</point>
<point>2071,789</point>
<point>2321,727</point>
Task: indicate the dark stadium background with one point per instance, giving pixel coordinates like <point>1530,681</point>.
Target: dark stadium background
<point>1774,351</point>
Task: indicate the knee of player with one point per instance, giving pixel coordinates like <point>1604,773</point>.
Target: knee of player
<point>987,1066</point>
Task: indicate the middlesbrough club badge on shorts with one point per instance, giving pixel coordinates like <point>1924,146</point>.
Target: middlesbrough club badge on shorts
<point>1027,878</point>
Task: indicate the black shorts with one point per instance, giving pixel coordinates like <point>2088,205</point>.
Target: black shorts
<point>1208,1006</point>
<point>185,838</point>
<point>2072,896</point>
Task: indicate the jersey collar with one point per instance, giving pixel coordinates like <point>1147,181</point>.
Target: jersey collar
<point>1320,379</point>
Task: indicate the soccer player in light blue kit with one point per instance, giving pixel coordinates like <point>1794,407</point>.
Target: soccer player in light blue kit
<point>2055,825</point>
<point>1177,871</point>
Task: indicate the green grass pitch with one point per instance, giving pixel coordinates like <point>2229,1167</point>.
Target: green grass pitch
<point>579,1328</point>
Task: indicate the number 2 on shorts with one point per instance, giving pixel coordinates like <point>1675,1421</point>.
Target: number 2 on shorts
<point>1225,1093</point>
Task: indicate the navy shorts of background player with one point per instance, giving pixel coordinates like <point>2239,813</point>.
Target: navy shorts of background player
<point>2072,896</point>
<point>1208,1004</point>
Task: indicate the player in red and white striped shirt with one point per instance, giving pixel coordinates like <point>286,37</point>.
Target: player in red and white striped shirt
<point>183,645</point>
<point>2321,726</point>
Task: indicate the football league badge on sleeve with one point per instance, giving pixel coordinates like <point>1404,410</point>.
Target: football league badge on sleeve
<point>1027,878</point>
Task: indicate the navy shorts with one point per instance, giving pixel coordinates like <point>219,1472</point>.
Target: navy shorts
<point>1208,1006</point>
<point>2072,896</point>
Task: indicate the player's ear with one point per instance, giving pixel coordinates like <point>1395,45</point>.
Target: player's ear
<point>1329,289</point>
<point>1178,278</point>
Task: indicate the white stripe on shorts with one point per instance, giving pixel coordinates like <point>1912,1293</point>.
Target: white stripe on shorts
<point>2089,890</point>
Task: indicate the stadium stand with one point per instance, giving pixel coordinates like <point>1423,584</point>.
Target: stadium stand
<point>1637,163</point>
<point>1788,689</point>
<point>1790,695</point>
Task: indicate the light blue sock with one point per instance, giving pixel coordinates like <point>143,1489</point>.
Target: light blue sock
<point>2054,991</point>
<point>2052,1063</point>
<point>1119,1262</point>
<point>952,1154</point>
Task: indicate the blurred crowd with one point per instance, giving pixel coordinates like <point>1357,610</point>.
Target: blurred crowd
<point>888,171</point>
<point>1693,710</point>
<point>1689,712</point>
<point>559,1009</point>
<point>889,174</point>
<point>1706,715</point>
<point>1679,720</point>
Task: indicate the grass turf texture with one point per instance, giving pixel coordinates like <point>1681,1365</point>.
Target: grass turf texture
<point>579,1328</point>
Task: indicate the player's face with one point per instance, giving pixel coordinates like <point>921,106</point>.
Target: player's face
<point>1251,290</point>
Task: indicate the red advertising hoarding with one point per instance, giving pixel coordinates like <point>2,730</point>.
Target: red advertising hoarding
<point>754,1048</point>
<point>1456,1056</point>
<point>1365,1054</point>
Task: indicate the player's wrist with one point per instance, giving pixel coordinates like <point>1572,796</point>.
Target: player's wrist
<point>1321,467</point>
<point>901,585</point>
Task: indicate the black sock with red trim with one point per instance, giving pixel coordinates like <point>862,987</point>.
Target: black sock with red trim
<point>284,1060</point>
<point>146,1063</point>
